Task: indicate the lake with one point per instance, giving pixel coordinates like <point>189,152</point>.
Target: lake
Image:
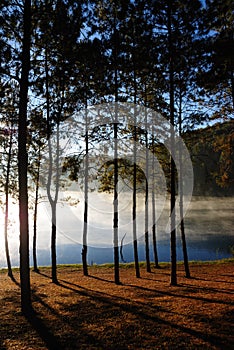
<point>209,226</point>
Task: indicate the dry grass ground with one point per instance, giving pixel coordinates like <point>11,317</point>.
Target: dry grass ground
<point>147,313</point>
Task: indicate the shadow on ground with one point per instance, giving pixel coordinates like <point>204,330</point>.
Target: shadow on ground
<point>146,313</point>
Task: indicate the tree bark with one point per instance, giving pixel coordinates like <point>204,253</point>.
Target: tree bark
<point>154,226</point>
<point>147,255</point>
<point>53,202</point>
<point>134,198</point>
<point>10,274</point>
<point>35,215</point>
<point>135,246</point>
<point>182,228</point>
<point>116,172</point>
<point>172,141</point>
<point>154,233</point>
<point>53,245</point>
<point>85,228</point>
<point>116,207</point>
<point>23,163</point>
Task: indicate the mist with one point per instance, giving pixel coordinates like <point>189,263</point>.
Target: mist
<point>209,223</point>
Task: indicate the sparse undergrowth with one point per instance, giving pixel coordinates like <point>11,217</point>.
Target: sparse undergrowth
<point>145,313</point>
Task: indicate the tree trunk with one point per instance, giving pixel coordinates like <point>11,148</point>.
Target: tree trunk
<point>116,173</point>
<point>35,215</point>
<point>182,228</point>
<point>135,247</point>
<point>53,245</point>
<point>173,170</point>
<point>85,228</point>
<point>154,226</point>
<point>154,233</point>
<point>53,202</point>
<point>134,198</point>
<point>23,163</point>
<point>116,216</point>
<point>147,255</point>
<point>8,259</point>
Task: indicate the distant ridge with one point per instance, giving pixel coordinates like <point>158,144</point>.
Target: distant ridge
<point>212,154</point>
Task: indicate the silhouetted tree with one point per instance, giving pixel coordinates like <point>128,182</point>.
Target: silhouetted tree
<point>23,160</point>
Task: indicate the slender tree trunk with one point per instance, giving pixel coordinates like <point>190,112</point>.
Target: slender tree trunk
<point>135,247</point>
<point>85,247</point>
<point>54,212</point>
<point>154,226</point>
<point>173,170</point>
<point>147,255</point>
<point>154,231</point>
<point>85,228</point>
<point>116,206</point>
<point>8,259</point>
<point>134,198</point>
<point>53,245</point>
<point>116,172</point>
<point>53,202</point>
<point>184,245</point>
<point>23,164</point>
<point>182,228</point>
<point>35,214</point>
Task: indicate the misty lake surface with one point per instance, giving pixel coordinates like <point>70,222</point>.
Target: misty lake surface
<point>209,229</point>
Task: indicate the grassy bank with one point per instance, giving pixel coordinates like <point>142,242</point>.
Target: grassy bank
<point>130,265</point>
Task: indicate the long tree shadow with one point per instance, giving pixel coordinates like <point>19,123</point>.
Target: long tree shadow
<point>101,279</point>
<point>158,292</point>
<point>207,289</point>
<point>14,280</point>
<point>213,280</point>
<point>108,305</point>
<point>212,277</point>
<point>42,330</point>
<point>77,321</point>
<point>51,341</point>
<point>39,272</point>
<point>96,295</point>
<point>183,295</point>
<point>33,321</point>
<point>141,314</point>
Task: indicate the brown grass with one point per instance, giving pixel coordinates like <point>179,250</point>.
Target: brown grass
<point>147,313</point>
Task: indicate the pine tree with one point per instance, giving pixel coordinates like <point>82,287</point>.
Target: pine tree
<point>9,119</point>
<point>57,38</point>
<point>23,161</point>
<point>37,143</point>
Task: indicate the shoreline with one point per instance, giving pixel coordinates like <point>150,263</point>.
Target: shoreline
<point>129,265</point>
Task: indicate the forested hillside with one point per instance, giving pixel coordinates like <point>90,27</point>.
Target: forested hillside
<point>212,155</point>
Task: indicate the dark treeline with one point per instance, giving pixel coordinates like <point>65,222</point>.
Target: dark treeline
<point>59,57</point>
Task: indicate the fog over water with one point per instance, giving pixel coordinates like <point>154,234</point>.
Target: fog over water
<point>209,226</point>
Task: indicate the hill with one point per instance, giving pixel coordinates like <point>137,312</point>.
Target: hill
<point>211,151</point>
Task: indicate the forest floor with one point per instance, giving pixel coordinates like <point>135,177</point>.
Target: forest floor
<point>145,313</point>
